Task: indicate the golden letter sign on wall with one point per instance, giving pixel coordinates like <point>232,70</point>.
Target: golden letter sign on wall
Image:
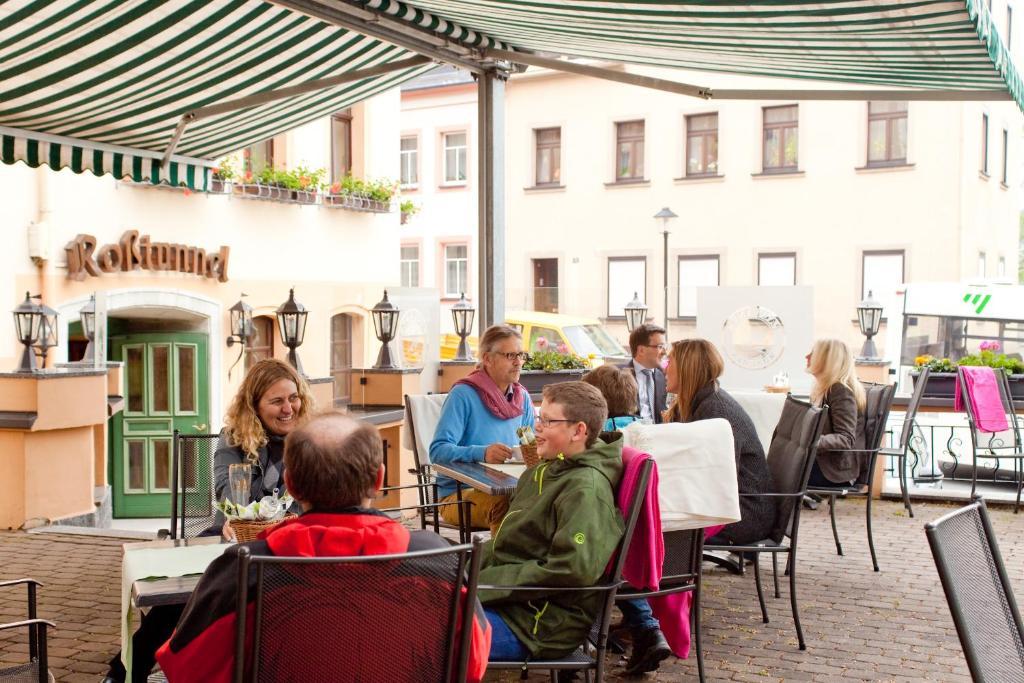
<point>133,252</point>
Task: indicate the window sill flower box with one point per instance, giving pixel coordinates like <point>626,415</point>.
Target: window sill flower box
<point>536,380</point>
<point>356,202</point>
<point>219,186</point>
<point>943,385</point>
<point>276,193</point>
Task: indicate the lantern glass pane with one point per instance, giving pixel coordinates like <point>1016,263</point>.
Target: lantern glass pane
<point>88,321</point>
<point>376,315</point>
<point>387,324</point>
<point>300,328</point>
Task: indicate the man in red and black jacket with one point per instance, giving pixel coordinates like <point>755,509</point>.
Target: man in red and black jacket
<point>333,466</point>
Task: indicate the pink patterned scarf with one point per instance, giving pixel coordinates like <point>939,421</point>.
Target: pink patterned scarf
<point>491,396</point>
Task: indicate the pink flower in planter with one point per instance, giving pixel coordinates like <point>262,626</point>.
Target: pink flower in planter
<point>542,343</point>
<point>989,346</point>
<point>562,349</point>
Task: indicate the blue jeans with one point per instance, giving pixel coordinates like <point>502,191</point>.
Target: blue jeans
<point>637,615</point>
<point>505,647</point>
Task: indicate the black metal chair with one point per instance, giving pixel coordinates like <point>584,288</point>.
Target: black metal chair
<point>979,594</point>
<point>192,510</point>
<point>998,446</point>
<point>790,457</point>
<point>580,659</point>
<point>37,668</point>
<point>906,444</point>
<point>377,617</point>
<point>681,573</point>
<point>879,401</point>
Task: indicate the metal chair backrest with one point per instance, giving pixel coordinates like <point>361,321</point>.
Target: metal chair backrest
<point>791,456</point>
<point>192,510</point>
<point>374,615</point>
<point>978,591</point>
<point>422,413</point>
<point>985,441</point>
<point>878,403</point>
<point>911,413</point>
<point>684,552</point>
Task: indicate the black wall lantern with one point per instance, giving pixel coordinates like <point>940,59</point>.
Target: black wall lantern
<point>291,319</point>
<point>636,313</point>
<point>463,313</point>
<point>87,316</point>
<point>869,318</point>
<point>385,326</point>
<point>28,324</point>
<point>241,329</point>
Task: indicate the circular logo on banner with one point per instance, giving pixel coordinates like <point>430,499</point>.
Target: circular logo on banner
<point>753,337</point>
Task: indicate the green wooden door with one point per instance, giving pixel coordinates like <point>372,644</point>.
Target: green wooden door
<point>165,384</point>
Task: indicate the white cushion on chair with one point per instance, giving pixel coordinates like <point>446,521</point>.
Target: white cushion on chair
<point>425,411</point>
<point>697,484</point>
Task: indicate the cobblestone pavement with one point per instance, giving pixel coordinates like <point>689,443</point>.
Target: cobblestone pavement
<point>893,625</point>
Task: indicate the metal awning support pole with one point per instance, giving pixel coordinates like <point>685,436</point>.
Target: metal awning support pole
<point>291,91</point>
<point>491,198</point>
<point>600,72</point>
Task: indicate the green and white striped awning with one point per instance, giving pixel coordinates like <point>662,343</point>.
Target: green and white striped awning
<point>910,44</point>
<point>100,86</point>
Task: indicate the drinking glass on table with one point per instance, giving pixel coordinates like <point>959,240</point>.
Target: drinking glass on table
<point>240,482</point>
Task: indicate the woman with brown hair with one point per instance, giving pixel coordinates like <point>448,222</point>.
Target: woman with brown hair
<point>694,367</point>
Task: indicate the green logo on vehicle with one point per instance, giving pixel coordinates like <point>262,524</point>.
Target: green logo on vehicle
<point>579,538</point>
<point>979,301</point>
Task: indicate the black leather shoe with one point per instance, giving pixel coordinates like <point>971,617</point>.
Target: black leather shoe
<point>650,649</point>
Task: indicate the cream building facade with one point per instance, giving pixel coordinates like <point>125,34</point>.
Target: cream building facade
<point>788,196</point>
<point>170,327</point>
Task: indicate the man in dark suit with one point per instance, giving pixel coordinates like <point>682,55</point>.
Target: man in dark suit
<point>647,346</point>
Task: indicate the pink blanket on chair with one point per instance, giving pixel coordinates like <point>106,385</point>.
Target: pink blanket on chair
<point>984,396</point>
<point>647,555</point>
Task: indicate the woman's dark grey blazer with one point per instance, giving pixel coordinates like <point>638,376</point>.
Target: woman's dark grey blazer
<point>227,455</point>
<point>843,431</point>
<point>757,515</point>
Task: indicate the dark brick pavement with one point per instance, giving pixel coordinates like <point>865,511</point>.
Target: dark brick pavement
<point>890,626</point>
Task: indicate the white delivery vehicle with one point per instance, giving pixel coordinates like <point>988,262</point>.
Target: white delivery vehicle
<point>950,320</point>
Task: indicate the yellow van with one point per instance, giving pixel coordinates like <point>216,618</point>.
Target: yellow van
<point>582,336</point>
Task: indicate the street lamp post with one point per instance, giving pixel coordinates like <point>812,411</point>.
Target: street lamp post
<point>241,329</point>
<point>28,323</point>
<point>665,215</point>
<point>47,333</point>
<point>87,316</point>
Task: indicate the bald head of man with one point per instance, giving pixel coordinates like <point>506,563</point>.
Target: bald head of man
<point>333,462</point>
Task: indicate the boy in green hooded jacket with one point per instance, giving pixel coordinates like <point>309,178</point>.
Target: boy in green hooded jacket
<point>560,531</point>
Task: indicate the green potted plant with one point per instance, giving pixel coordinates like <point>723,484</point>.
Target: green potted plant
<point>408,210</point>
<point>551,364</point>
<point>942,379</point>
<point>223,175</point>
<point>361,195</point>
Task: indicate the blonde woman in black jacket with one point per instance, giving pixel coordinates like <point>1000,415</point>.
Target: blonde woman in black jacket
<point>836,385</point>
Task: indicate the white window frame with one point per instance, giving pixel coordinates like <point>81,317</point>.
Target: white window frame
<point>880,291</point>
<point>463,157</point>
<point>686,306</point>
<point>982,264</point>
<point>463,286</point>
<point>775,256</point>
<point>408,264</point>
<point>616,309</point>
<point>409,159</point>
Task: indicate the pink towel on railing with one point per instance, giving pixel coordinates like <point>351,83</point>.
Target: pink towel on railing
<point>647,554</point>
<point>985,397</point>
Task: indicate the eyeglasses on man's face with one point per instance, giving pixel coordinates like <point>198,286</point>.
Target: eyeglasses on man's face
<point>547,422</point>
<point>660,347</point>
<point>513,355</point>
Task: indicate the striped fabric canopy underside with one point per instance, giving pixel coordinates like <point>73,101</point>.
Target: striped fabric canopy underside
<point>118,75</point>
<point>99,85</point>
<point>909,44</point>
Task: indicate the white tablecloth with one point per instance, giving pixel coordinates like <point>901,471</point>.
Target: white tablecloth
<point>157,560</point>
<point>764,410</point>
<point>696,471</point>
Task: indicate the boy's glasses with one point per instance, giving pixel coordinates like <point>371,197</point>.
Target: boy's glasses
<point>515,355</point>
<point>545,422</point>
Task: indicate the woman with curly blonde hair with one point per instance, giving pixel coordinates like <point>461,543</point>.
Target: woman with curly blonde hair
<point>273,400</point>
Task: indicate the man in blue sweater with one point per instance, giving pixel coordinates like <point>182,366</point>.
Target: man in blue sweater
<point>480,417</point>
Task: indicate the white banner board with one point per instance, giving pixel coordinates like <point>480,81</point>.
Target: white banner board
<point>760,331</point>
